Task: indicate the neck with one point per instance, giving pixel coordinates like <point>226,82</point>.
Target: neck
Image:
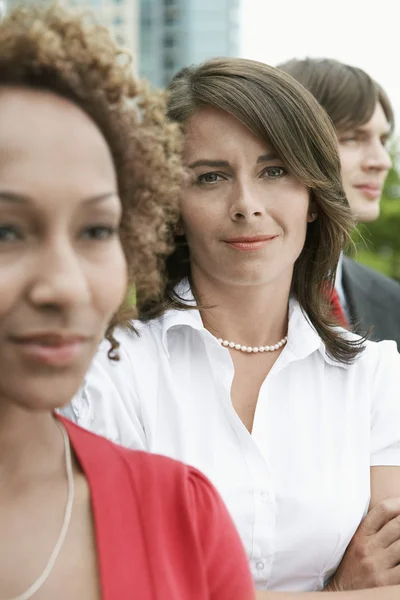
<point>245,314</point>
<point>31,447</point>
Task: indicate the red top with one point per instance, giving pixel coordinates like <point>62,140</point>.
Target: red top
<point>162,531</point>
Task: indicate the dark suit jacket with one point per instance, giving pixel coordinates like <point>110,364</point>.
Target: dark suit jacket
<point>373,301</point>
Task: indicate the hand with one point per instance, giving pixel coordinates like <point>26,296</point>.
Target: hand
<point>372,558</point>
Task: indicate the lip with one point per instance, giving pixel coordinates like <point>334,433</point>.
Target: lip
<point>250,243</point>
<point>370,190</point>
<point>52,349</point>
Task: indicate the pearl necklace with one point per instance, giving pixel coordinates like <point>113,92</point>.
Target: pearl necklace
<point>36,585</point>
<point>254,349</point>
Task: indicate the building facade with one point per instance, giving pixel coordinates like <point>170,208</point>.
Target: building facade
<point>177,33</point>
<point>121,17</point>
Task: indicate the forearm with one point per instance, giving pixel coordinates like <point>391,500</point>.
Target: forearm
<point>386,593</point>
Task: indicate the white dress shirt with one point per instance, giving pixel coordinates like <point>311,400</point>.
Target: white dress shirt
<point>299,484</point>
<point>340,289</point>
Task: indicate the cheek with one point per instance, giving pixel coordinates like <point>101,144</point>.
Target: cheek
<point>296,209</point>
<point>349,174</point>
<point>350,161</point>
<point>12,284</point>
<point>197,219</point>
<point>109,281</point>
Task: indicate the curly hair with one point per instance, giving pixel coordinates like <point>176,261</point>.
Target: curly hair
<point>69,55</point>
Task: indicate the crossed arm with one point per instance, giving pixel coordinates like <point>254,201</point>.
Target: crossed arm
<point>370,568</point>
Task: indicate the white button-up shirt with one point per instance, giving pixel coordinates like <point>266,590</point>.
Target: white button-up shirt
<point>299,484</point>
<point>339,287</point>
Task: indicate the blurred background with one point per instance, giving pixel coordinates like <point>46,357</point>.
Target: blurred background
<point>165,35</point>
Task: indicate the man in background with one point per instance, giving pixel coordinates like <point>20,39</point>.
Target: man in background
<point>363,117</point>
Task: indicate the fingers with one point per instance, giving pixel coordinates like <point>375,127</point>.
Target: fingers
<point>392,557</point>
<point>393,576</point>
<point>372,558</point>
<point>389,534</point>
<point>380,515</point>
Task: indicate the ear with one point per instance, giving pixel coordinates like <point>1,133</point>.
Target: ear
<point>312,211</point>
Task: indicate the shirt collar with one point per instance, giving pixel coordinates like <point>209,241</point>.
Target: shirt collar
<point>303,339</point>
<point>180,317</point>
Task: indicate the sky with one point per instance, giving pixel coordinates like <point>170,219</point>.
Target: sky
<point>364,34</point>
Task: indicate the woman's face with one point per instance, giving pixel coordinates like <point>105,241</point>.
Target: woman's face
<point>62,268</point>
<point>244,215</point>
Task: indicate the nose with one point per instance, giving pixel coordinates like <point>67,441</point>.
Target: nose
<point>377,157</point>
<point>59,280</point>
<point>246,203</point>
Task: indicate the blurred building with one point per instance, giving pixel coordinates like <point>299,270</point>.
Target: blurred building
<point>177,33</point>
<point>120,16</point>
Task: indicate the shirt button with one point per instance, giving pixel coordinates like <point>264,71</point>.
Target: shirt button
<point>264,495</point>
<point>260,565</point>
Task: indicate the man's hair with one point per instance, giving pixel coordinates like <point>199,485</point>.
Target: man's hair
<point>283,115</point>
<point>53,50</point>
<point>348,94</point>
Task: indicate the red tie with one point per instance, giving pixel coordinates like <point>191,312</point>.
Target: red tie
<point>337,310</point>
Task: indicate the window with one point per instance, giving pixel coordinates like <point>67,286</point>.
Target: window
<point>169,41</point>
<point>170,20</point>
<point>169,63</point>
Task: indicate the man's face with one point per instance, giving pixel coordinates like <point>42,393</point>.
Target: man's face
<point>365,164</point>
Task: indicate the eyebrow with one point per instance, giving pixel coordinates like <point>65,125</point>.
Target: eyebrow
<point>203,162</point>
<point>364,129</point>
<point>21,199</point>
<point>266,158</point>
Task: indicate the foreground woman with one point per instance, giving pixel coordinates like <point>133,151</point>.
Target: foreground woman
<point>85,183</point>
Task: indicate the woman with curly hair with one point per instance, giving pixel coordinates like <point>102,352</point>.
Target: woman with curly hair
<point>88,178</point>
<point>240,368</point>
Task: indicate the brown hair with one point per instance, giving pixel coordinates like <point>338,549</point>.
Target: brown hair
<point>53,50</point>
<point>282,113</point>
<point>348,94</point>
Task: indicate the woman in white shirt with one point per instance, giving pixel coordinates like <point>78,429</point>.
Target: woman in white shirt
<point>240,369</point>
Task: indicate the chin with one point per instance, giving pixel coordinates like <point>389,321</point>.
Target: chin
<point>42,394</point>
<point>366,212</point>
<point>368,216</point>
